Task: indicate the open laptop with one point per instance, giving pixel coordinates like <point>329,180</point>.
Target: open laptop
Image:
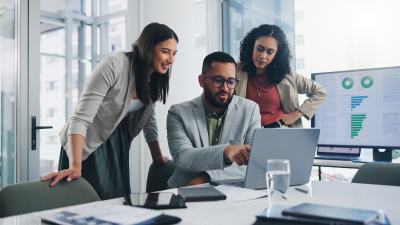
<point>298,145</point>
<point>337,153</point>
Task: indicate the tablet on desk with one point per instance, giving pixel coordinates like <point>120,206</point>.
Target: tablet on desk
<point>162,200</point>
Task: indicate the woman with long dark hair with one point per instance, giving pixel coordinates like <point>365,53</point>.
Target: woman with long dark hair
<point>118,102</point>
<point>265,76</point>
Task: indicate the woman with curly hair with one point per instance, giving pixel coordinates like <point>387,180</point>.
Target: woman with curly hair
<point>266,77</point>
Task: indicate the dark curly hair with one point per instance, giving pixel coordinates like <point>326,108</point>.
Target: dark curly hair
<point>280,65</point>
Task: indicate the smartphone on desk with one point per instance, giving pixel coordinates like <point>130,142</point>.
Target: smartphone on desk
<point>162,200</point>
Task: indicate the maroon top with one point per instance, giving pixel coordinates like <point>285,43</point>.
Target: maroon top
<point>267,97</point>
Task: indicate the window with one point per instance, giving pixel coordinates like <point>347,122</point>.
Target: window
<point>51,85</point>
<point>52,34</point>
<point>51,112</point>
<point>299,16</point>
<point>52,140</point>
<point>240,16</point>
<point>8,93</point>
<point>300,39</point>
<point>69,55</point>
<point>51,60</point>
<point>300,64</point>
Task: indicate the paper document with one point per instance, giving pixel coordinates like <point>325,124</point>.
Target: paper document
<point>235,194</point>
<point>99,212</point>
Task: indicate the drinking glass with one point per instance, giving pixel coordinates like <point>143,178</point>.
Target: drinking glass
<point>278,179</point>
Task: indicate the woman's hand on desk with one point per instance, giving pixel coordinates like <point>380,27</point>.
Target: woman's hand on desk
<point>72,173</point>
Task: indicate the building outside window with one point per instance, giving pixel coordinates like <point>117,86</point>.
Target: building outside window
<point>51,112</point>
<point>300,64</point>
<point>51,85</point>
<point>299,16</point>
<point>300,39</point>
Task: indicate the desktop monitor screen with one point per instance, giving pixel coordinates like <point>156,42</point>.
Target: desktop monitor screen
<point>362,108</point>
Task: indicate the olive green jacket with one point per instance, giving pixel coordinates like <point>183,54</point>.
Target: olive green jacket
<point>288,90</point>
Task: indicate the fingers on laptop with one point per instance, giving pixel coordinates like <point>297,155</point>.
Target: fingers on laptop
<point>238,154</point>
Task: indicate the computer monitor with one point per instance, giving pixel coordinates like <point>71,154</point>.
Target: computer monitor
<point>362,109</point>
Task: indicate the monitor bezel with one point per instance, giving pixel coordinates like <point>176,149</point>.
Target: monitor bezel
<point>352,146</point>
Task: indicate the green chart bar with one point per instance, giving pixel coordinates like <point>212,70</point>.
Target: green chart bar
<point>356,124</point>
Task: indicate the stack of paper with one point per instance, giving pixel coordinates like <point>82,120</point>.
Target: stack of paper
<point>97,213</point>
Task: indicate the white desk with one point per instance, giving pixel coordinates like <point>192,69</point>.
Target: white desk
<point>363,196</point>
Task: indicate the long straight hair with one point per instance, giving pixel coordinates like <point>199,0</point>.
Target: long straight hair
<point>150,87</point>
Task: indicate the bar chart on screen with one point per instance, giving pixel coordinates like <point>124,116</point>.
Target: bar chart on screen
<point>356,101</point>
<point>362,108</point>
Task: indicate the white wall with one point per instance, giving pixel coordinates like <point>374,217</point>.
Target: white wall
<point>179,15</point>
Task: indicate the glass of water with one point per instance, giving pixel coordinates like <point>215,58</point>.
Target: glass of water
<point>278,180</point>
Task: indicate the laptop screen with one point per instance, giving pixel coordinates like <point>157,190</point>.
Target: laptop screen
<point>339,150</point>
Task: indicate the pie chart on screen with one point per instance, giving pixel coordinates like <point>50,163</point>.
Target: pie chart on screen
<point>347,83</point>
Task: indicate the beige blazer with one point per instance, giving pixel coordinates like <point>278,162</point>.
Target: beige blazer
<point>288,90</point>
<point>104,103</point>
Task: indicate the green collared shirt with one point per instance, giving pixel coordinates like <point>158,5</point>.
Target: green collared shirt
<point>215,124</point>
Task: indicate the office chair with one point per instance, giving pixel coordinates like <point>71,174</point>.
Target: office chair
<point>158,176</point>
<point>35,196</point>
<point>378,173</point>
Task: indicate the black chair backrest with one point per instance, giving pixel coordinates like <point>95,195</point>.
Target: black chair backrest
<point>378,173</point>
<point>158,176</point>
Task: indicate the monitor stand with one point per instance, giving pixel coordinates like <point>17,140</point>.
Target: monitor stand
<point>377,156</point>
<point>382,156</point>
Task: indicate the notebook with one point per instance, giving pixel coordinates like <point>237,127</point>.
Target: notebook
<point>201,194</point>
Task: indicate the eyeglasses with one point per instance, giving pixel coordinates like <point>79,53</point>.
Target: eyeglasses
<point>219,82</point>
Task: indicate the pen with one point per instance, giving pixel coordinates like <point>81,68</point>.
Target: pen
<point>371,219</point>
<point>301,190</point>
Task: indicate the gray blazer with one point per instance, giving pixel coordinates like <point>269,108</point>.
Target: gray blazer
<point>188,139</point>
<point>104,103</point>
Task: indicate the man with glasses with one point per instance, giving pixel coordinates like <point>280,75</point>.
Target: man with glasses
<point>209,137</point>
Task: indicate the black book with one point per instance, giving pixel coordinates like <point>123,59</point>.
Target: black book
<point>274,215</point>
<point>201,194</point>
<point>315,211</point>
